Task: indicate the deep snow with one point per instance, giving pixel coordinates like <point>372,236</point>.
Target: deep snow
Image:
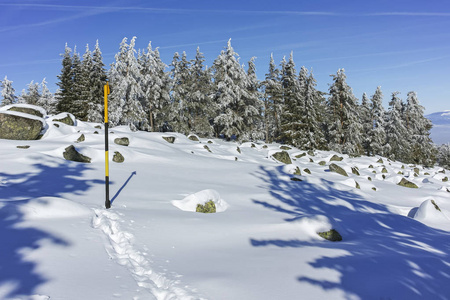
<point>60,243</point>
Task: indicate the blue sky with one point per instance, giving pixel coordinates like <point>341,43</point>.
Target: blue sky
<point>398,45</point>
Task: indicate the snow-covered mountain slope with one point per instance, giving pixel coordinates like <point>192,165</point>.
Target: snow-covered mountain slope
<point>58,241</point>
<point>440,133</point>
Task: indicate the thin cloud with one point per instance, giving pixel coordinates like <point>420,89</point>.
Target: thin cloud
<point>403,65</point>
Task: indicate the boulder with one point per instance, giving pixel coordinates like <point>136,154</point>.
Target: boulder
<point>295,179</point>
<point>335,168</point>
<point>81,138</point>
<point>384,170</point>
<point>331,235</point>
<point>283,157</point>
<point>297,171</point>
<point>27,110</point>
<point>193,138</point>
<point>336,158</point>
<point>311,153</point>
<point>23,147</point>
<point>238,149</point>
<point>72,154</point>
<point>207,148</point>
<point>118,158</point>
<point>122,141</point>
<point>380,161</point>
<point>407,184</point>
<point>66,120</point>
<point>285,148</point>
<point>307,171</point>
<point>322,163</point>
<point>19,127</point>
<point>355,170</point>
<point>208,207</point>
<point>169,139</point>
<point>300,155</point>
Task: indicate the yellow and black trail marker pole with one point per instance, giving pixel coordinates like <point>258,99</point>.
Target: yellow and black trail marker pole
<point>106,92</point>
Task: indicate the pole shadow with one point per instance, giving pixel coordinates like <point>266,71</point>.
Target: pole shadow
<point>122,187</point>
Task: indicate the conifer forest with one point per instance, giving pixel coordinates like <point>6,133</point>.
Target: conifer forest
<point>228,100</point>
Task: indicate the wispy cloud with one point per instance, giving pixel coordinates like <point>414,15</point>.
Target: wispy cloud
<point>33,62</point>
<point>403,65</point>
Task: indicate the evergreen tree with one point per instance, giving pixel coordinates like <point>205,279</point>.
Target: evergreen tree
<point>311,132</point>
<point>396,132</point>
<point>229,88</point>
<point>78,104</point>
<point>32,95</point>
<point>199,101</point>
<point>366,123</point>
<point>64,96</point>
<point>443,157</point>
<point>97,81</point>
<point>126,108</point>
<point>418,127</point>
<point>377,134</point>
<point>252,105</point>
<point>155,85</point>
<point>293,98</point>
<point>8,93</point>
<point>273,102</point>
<point>47,100</point>
<point>344,131</point>
<point>179,114</point>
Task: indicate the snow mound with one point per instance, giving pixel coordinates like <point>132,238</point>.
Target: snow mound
<point>52,208</point>
<point>428,213</point>
<point>190,202</point>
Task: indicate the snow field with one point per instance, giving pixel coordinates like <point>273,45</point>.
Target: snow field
<point>262,245</point>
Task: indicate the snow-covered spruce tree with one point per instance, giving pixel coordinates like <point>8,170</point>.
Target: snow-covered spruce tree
<point>125,108</point>
<point>64,96</point>
<point>229,92</point>
<point>396,132</point>
<point>179,114</point>
<point>78,106</point>
<point>293,98</point>
<point>97,81</point>
<point>344,128</point>
<point>378,133</point>
<point>199,102</point>
<point>418,128</point>
<point>8,93</point>
<point>366,123</point>
<point>443,157</point>
<point>32,95</point>
<point>252,105</point>
<point>312,135</point>
<point>273,102</point>
<point>47,100</point>
<point>155,84</point>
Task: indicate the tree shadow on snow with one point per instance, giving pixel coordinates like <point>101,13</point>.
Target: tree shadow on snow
<point>51,177</point>
<point>389,256</point>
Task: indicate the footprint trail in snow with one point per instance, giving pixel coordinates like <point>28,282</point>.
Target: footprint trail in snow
<point>121,249</point>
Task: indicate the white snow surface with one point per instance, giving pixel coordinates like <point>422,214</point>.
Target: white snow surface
<point>59,242</point>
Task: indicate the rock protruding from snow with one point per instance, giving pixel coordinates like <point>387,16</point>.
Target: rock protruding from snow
<point>337,169</point>
<point>407,183</point>
<point>20,126</point>
<point>124,141</point>
<point>282,156</point>
<point>72,154</point>
<point>190,202</point>
<point>65,118</point>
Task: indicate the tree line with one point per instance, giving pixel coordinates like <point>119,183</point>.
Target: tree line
<point>229,100</point>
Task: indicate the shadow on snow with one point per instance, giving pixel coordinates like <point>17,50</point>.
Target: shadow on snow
<point>52,178</point>
<point>389,256</point>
